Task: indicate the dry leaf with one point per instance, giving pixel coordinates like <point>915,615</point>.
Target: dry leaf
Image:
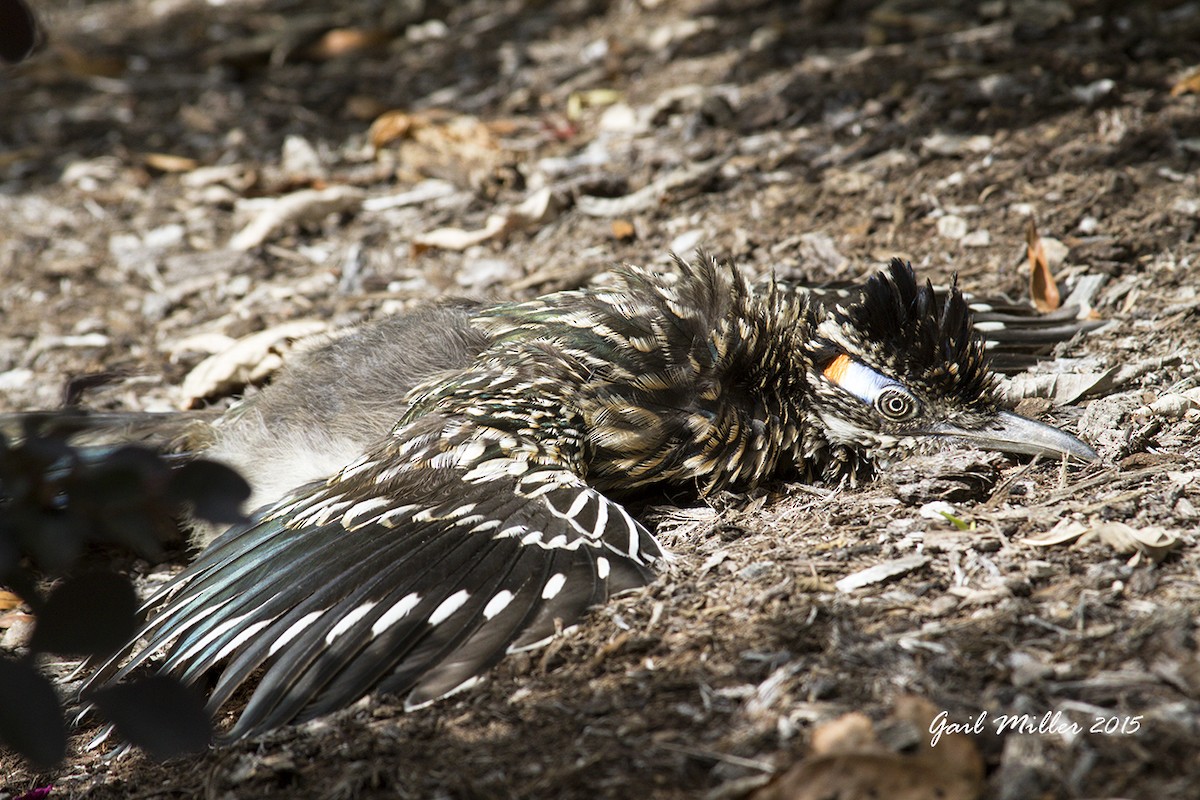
<point>689,177</point>
<point>1061,389</point>
<point>1188,84</point>
<point>389,126</point>
<point>1042,288</point>
<point>250,360</point>
<point>423,192</point>
<point>437,129</point>
<point>459,238</point>
<point>1067,530</point>
<point>1152,542</point>
<point>436,143</point>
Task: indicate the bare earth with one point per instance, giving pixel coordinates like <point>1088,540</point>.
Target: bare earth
<point>812,138</point>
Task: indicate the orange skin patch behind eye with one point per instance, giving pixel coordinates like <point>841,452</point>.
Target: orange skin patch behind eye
<point>836,370</point>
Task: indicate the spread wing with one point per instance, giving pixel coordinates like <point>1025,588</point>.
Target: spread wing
<point>467,534</point>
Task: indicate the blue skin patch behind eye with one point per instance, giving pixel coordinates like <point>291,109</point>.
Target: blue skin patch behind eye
<point>863,382</point>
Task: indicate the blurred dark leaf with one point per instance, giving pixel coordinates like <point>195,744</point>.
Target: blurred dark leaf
<point>30,720</point>
<point>36,455</point>
<point>158,714</point>
<point>9,554</point>
<point>54,539</point>
<point>126,477</point>
<point>89,614</point>
<point>141,530</point>
<point>54,501</point>
<point>22,584</point>
<point>214,491</point>
<point>18,31</point>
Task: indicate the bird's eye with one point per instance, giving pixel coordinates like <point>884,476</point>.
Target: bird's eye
<point>885,394</point>
<point>896,404</point>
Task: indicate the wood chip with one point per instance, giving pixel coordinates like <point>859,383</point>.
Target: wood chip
<point>650,195</point>
<point>881,572</point>
<point>166,162</point>
<point>537,209</point>
<point>307,205</point>
<point>423,192</point>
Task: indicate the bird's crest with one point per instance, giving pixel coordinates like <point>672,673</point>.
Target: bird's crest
<point>930,340</point>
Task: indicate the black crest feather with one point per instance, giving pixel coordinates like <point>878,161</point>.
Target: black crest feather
<point>935,338</point>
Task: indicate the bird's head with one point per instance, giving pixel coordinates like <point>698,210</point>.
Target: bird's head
<point>901,370</point>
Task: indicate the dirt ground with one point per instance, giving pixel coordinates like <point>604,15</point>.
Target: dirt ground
<point>145,150</point>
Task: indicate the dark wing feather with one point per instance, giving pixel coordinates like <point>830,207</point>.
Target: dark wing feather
<point>459,538</point>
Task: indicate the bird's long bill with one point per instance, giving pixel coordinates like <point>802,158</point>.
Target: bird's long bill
<point>1012,433</point>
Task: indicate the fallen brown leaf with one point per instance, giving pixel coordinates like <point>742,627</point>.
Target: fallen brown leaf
<point>881,572</point>
<point>850,763</point>
<point>8,600</point>
<point>1042,288</point>
<point>847,732</point>
<point>1188,84</point>
<point>1150,542</point>
<point>436,143</point>
<point>390,126</point>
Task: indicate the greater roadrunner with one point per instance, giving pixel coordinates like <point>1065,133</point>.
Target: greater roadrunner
<point>444,485</point>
